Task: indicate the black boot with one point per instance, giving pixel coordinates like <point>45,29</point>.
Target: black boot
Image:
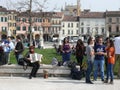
<point>111,81</point>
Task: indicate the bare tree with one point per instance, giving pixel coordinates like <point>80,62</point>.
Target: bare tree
<point>31,6</point>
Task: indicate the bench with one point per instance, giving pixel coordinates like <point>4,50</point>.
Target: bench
<point>17,70</point>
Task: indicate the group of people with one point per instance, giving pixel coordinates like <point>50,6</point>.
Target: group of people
<point>98,53</point>
<point>18,48</point>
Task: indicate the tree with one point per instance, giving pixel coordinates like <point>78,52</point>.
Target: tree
<point>27,5</point>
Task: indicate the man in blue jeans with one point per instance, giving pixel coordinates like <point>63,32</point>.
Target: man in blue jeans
<point>100,52</point>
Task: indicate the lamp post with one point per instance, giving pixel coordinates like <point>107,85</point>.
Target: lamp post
<point>41,38</point>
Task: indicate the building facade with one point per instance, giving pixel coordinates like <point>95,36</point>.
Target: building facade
<point>113,22</point>
<point>3,22</point>
<point>91,22</point>
<point>69,26</point>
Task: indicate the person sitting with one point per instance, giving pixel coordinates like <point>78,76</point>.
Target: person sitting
<point>31,60</point>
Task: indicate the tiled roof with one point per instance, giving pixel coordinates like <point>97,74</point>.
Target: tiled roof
<point>3,9</point>
<point>70,18</point>
<point>92,15</point>
<point>58,15</point>
<point>113,13</point>
<point>35,14</point>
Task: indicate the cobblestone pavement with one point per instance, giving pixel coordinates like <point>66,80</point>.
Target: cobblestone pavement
<point>53,83</point>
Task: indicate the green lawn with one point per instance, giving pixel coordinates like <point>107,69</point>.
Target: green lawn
<point>48,54</point>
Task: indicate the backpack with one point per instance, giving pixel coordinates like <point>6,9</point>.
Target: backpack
<point>54,61</point>
<point>75,73</point>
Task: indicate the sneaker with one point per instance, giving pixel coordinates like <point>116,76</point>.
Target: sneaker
<point>103,80</point>
<point>106,81</point>
<point>30,77</point>
<point>111,82</point>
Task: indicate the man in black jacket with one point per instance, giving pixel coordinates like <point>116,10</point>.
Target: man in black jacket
<point>19,48</point>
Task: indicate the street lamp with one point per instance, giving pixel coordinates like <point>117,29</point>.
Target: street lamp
<point>41,38</point>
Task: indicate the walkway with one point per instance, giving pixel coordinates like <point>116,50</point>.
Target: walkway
<point>53,83</point>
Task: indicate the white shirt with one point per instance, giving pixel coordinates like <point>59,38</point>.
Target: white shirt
<point>117,45</point>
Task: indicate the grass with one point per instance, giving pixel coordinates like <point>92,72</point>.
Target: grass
<point>48,54</point>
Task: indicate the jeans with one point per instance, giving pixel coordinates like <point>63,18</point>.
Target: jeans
<point>17,57</point>
<point>79,60</point>
<point>99,64</point>
<point>66,56</point>
<point>89,70</point>
<point>110,71</point>
<point>6,55</point>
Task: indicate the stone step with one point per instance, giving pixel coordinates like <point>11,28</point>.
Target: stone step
<point>17,70</point>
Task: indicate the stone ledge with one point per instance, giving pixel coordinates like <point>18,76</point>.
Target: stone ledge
<point>16,70</point>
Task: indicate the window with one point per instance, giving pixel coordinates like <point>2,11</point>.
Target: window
<point>109,28</point>
<point>110,20</point>
<point>18,19</point>
<point>68,24</point>
<point>88,30</point>
<point>4,29</point>
<point>63,31</point>
<point>63,25</point>
<point>71,24</point>
<point>24,28</point>
<point>1,19</point>
<point>48,20</point>
<point>102,30</point>
<point>77,32</point>
<point>77,25</point>
<point>82,23</point>
<point>35,28</point>
<point>117,28</point>
<point>72,32</point>
<point>18,28</point>
<point>96,30</point>
<point>117,20</point>
<point>24,19</point>
<point>68,31</point>
<point>82,30</point>
<point>39,20</point>
<point>5,19</point>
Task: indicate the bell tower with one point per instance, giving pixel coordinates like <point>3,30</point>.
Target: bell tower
<point>78,8</point>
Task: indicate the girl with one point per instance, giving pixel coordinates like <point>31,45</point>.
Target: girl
<point>111,60</point>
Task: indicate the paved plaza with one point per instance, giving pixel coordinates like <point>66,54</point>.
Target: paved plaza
<point>53,83</point>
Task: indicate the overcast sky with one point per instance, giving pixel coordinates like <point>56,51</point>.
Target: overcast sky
<point>94,5</point>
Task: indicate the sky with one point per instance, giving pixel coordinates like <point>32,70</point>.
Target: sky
<point>93,5</point>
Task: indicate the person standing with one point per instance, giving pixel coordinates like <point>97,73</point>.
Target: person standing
<point>117,53</point>
<point>19,48</point>
<point>110,61</point>
<point>8,46</point>
<point>66,50</point>
<point>100,52</point>
<point>80,52</point>
<point>90,59</point>
<point>35,64</point>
